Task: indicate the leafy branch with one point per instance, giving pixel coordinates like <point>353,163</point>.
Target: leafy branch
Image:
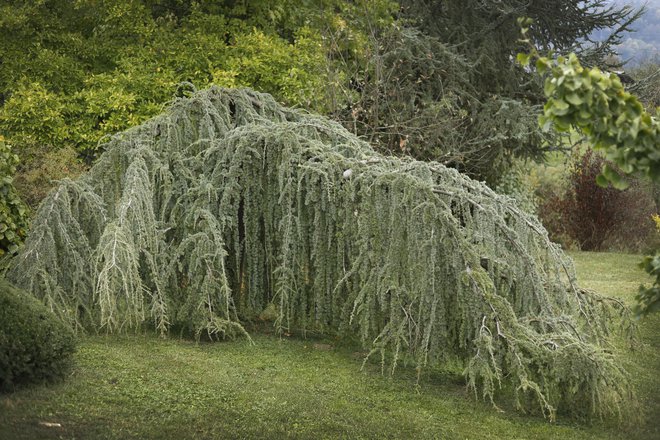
<point>614,122</point>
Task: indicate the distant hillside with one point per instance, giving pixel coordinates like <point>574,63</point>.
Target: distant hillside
<point>643,44</point>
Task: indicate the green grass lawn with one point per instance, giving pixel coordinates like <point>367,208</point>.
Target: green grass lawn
<point>144,387</point>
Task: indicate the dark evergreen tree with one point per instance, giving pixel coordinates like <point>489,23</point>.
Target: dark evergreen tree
<point>444,84</point>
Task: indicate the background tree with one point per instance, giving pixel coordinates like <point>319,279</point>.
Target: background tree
<point>13,213</point>
<point>443,85</point>
<point>433,79</point>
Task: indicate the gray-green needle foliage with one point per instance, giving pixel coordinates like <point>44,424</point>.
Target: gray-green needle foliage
<point>230,204</point>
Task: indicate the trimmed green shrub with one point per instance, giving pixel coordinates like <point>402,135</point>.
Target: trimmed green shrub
<point>34,344</point>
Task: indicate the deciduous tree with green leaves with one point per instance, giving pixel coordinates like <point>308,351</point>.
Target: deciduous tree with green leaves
<point>615,123</point>
<point>13,213</point>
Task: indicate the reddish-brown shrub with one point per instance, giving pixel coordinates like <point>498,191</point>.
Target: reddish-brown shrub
<point>593,217</point>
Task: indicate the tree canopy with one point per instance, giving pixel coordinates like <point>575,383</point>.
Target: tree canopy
<point>444,85</point>
<point>432,79</point>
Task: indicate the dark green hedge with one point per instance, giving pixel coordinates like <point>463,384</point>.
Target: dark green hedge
<point>35,345</point>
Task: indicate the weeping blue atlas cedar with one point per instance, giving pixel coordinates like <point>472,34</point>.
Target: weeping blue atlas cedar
<point>229,204</point>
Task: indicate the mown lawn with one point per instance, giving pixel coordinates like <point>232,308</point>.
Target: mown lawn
<point>144,387</point>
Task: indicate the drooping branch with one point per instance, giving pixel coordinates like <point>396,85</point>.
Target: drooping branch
<point>229,205</point>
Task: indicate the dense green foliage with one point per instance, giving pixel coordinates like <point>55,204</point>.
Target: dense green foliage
<point>649,297</point>
<point>34,344</point>
<point>74,73</point>
<point>431,79</point>
<point>13,213</point>
<point>613,119</point>
<point>230,204</point>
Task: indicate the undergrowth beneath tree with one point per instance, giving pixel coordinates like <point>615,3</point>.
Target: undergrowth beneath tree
<point>229,206</point>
